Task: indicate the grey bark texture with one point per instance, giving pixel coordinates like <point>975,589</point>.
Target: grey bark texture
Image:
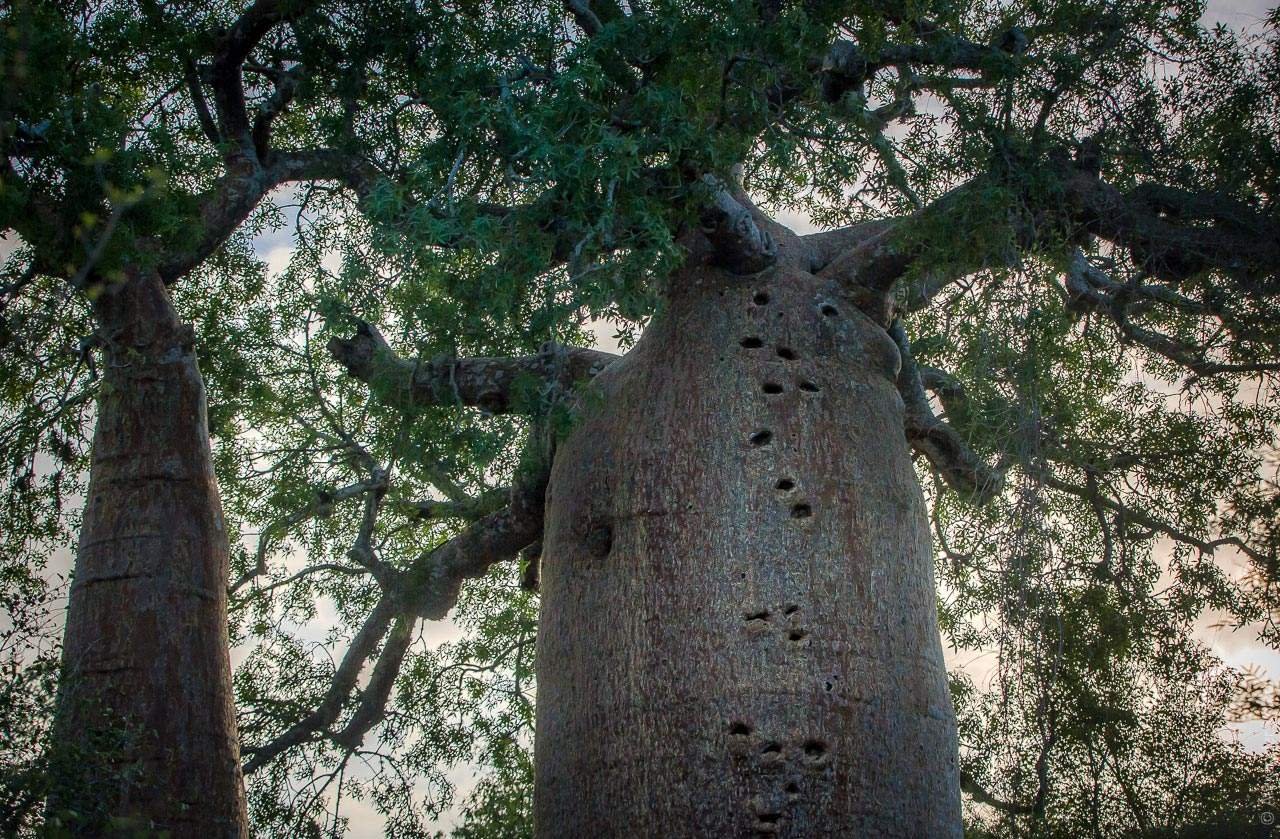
<point>146,717</point>
<point>738,633</point>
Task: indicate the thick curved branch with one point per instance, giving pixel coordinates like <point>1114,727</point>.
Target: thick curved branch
<point>961,467</point>
<point>491,384</point>
<point>222,209</point>
<point>373,699</point>
<point>435,578</point>
<point>825,247</point>
<point>872,257</point>
<point>226,70</point>
<point>741,245</point>
<point>1174,234</point>
<point>981,795</point>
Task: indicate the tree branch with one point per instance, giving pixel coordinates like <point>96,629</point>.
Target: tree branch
<point>373,699</point>
<point>962,469</point>
<point>847,66</point>
<point>981,795</point>
<point>344,682</point>
<point>1090,289</point>
<point>741,245</point>
<point>428,588</point>
<point>225,74</point>
<point>436,577</point>
<point>321,506</point>
<point>486,383</point>
<point>1174,235</point>
<point>1136,516</point>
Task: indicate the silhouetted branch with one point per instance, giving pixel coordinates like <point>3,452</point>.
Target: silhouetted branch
<point>961,467</point>
<point>486,383</point>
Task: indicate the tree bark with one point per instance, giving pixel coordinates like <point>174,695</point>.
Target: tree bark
<point>146,726</point>
<point>738,633</point>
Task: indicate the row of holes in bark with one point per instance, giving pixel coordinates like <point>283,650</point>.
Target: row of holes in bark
<point>762,616</point>
<point>813,748</point>
<point>774,388</point>
<point>762,298</point>
<point>764,436</point>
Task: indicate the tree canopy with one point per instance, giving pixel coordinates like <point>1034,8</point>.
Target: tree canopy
<point>1070,206</point>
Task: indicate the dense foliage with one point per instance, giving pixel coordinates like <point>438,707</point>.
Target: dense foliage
<point>481,181</point>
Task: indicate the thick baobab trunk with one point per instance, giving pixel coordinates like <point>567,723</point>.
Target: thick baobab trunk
<point>146,721</point>
<point>738,632</point>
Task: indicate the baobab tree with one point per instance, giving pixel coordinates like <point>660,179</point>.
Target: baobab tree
<point>1035,214</point>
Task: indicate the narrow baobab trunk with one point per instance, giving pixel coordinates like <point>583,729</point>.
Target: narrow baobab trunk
<point>147,723</point>
<point>738,632</point>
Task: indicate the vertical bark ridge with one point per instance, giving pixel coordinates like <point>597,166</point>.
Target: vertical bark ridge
<point>738,632</point>
<point>146,718</point>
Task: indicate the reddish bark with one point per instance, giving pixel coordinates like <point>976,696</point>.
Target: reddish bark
<point>738,632</point>
<point>146,648</point>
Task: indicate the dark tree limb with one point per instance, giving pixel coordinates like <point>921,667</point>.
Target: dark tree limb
<point>226,71</point>
<point>1090,289</point>
<point>960,467</point>
<point>486,383</point>
<point>826,246</point>
<point>871,258</point>
<point>286,87</point>
<point>740,243</point>
<point>1174,234</point>
<point>981,795</point>
<point>373,699</point>
<point>345,678</point>
<point>847,66</point>
<point>1171,235</point>
<point>435,579</point>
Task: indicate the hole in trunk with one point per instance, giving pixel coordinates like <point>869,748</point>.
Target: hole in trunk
<point>787,353</point>
<point>801,511</point>
<point>797,634</point>
<point>762,615</point>
<point>772,388</point>
<point>761,437</point>
<point>809,387</point>
<point>739,729</point>
<point>761,298</point>
<point>786,485</point>
<point>752,343</point>
<point>791,609</point>
<point>599,540</point>
<point>814,749</point>
<point>771,748</point>
<point>829,310</point>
